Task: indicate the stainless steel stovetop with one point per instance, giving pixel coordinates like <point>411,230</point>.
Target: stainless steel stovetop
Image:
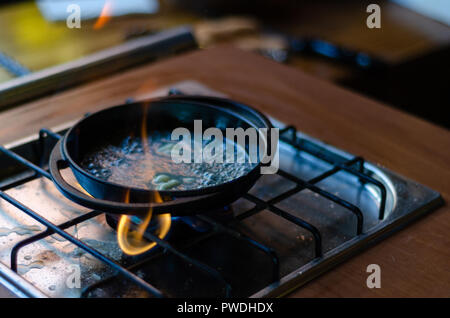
<point>261,252</point>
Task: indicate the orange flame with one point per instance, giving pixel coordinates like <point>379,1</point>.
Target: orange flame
<point>133,242</point>
<point>105,15</point>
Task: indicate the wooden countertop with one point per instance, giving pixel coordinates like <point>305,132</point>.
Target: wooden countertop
<point>414,262</point>
<point>404,34</point>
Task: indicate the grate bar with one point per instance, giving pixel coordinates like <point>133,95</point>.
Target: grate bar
<point>267,250</point>
<point>354,209</point>
<point>307,226</point>
<point>25,162</point>
<point>47,232</point>
<point>373,181</point>
<point>314,180</point>
<point>44,132</point>
<point>191,260</point>
<point>21,178</point>
<point>136,265</point>
<point>148,287</point>
<point>338,161</point>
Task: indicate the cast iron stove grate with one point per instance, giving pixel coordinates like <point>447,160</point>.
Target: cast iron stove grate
<point>241,265</point>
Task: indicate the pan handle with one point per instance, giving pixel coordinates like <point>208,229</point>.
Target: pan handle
<point>180,206</point>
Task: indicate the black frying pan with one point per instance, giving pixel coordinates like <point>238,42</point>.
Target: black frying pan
<point>162,115</point>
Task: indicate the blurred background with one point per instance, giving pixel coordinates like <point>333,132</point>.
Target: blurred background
<point>405,63</point>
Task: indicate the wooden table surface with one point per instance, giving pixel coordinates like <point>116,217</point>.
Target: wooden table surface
<point>414,262</point>
<point>404,34</point>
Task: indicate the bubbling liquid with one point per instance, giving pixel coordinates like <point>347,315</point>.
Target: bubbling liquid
<point>150,165</point>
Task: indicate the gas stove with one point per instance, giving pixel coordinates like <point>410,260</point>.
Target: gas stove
<point>323,206</point>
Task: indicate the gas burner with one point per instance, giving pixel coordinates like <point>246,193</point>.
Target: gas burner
<point>321,207</point>
<point>194,222</point>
